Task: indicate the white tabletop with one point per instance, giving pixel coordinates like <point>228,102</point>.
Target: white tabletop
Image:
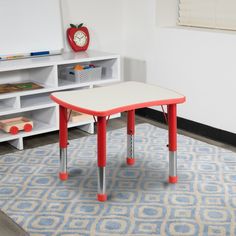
<point>103,101</point>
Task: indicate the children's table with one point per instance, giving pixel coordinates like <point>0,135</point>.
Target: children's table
<point>101,102</point>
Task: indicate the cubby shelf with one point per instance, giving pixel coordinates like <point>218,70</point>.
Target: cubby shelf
<point>36,104</point>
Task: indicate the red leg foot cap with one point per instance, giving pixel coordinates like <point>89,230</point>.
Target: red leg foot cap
<point>63,176</point>
<point>173,179</point>
<point>130,161</point>
<point>101,197</point>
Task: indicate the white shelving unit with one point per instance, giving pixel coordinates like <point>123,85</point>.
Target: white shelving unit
<point>36,104</point>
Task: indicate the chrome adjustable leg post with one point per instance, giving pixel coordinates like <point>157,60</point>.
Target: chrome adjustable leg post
<point>130,137</point>
<point>172,122</point>
<point>172,166</point>
<point>101,158</point>
<point>63,137</point>
<point>63,160</point>
<point>101,181</point>
<point>130,149</point>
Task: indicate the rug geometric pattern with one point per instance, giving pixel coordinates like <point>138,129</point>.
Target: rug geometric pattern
<point>140,200</point>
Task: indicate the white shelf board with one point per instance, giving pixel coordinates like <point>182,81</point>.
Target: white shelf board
<point>65,58</point>
<point>89,55</point>
<point>36,107</point>
<point>64,84</point>
<point>7,137</point>
<point>29,92</point>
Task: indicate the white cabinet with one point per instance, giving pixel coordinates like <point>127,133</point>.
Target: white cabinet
<point>45,71</point>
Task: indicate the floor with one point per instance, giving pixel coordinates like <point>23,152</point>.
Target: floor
<point>8,227</point>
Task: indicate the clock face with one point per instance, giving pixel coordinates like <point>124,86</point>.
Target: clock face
<point>80,38</point>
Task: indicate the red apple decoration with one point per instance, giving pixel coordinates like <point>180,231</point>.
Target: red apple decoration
<point>78,37</point>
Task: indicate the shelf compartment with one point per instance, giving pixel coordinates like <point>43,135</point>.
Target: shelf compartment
<point>110,68</point>
<point>18,123</point>
<point>36,100</point>
<point>43,76</point>
<point>110,71</point>
<point>79,76</point>
<point>44,120</point>
<point>8,104</point>
<point>39,128</point>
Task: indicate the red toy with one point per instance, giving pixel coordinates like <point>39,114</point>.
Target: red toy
<point>13,125</point>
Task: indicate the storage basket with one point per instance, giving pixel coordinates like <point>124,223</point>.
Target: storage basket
<point>81,76</point>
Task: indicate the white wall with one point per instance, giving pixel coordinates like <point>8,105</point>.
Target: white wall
<point>103,19</point>
<point>197,63</point>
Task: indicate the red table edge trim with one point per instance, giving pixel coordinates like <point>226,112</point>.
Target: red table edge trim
<point>118,109</point>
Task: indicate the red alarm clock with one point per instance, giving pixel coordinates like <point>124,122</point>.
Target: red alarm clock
<point>78,37</point>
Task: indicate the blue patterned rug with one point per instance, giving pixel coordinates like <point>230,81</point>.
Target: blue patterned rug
<point>140,201</point>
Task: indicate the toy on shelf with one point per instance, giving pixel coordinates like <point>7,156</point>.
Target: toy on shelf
<point>89,73</point>
<point>86,67</point>
<point>81,73</point>
<point>18,87</point>
<point>75,116</point>
<point>13,125</point>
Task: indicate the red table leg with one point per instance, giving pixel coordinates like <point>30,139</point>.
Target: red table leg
<point>172,121</point>
<point>130,137</point>
<point>63,133</point>
<point>101,158</point>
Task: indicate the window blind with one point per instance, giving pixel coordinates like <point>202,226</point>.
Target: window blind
<point>220,14</point>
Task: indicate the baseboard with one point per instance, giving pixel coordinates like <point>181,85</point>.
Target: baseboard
<point>192,126</point>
